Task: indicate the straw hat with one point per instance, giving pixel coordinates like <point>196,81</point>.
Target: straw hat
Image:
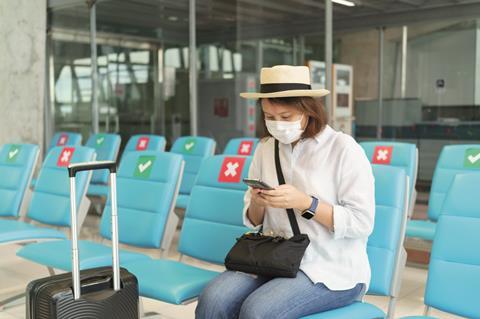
<point>285,81</point>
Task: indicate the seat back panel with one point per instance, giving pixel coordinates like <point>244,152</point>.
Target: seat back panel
<point>213,219</point>
<point>194,151</point>
<point>61,139</point>
<point>51,196</point>
<point>145,142</point>
<point>208,241</point>
<point>17,162</point>
<point>453,160</point>
<point>106,146</point>
<point>403,155</point>
<point>244,146</point>
<point>454,272</point>
<point>147,185</point>
<point>203,207</point>
<point>390,216</point>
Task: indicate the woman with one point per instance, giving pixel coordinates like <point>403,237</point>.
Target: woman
<point>330,185</point>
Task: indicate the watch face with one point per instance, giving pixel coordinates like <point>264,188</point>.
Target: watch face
<point>307,214</point>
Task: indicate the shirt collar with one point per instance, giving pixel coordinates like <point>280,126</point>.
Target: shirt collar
<point>325,134</point>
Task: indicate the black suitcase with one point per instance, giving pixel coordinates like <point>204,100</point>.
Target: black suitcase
<point>93,293</point>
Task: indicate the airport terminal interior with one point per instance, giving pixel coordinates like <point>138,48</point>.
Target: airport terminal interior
<point>145,81</point>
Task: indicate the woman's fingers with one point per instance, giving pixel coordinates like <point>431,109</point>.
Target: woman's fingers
<point>262,202</point>
<point>277,198</point>
<point>272,193</point>
<point>276,201</point>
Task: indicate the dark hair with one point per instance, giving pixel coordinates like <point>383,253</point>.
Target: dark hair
<point>313,108</point>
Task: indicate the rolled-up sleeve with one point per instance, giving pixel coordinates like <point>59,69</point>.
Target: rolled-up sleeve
<point>254,172</point>
<point>353,216</point>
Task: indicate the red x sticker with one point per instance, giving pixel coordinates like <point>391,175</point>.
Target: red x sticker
<point>65,156</point>
<point>245,148</point>
<point>382,155</point>
<point>62,140</point>
<point>142,143</point>
<point>231,171</point>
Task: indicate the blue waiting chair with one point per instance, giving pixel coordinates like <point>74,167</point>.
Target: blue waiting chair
<point>194,151</point>
<point>136,143</point>
<point>106,146</point>
<point>403,155</point>
<point>244,146</point>
<point>65,139</point>
<point>61,139</point>
<point>17,162</point>
<point>145,142</point>
<point>454,272</point>
<point>50,204</point>
<point>453,159</point>
<point>213,221</point>
<point>385,246</point>
<point>147,183</point>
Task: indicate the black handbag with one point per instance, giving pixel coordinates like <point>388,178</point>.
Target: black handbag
<point>270,256</point>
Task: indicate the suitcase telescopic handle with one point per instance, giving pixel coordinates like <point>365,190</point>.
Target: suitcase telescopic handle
<point>73,169</point>
<point>89,166</point>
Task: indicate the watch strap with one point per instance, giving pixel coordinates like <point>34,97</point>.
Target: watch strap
<point>314,205</point>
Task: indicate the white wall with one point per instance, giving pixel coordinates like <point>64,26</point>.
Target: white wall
<point>447,55</point>
<point>435,51</point>
<point>477,64</point>
<point>22,70</point>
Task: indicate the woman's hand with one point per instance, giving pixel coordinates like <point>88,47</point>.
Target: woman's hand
<point>257,198</point>
<point>285,196</point>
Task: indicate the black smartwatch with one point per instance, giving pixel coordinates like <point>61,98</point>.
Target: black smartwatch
<point>310,212</point>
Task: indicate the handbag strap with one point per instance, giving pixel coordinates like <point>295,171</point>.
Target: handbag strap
<point>281,181</point>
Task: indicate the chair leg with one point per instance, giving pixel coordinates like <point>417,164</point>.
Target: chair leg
<point>426,312</point>
<point>391,307</point>
<point>169,232</point>
<point>141,313</point>
<point>163,254</point>
<point>51,271</point>
<point>11,301</point>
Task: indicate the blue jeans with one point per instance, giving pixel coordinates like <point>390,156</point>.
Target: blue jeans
<point>239,295</point>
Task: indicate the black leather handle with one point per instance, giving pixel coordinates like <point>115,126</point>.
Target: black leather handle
<point>73,169</point>
<point>281,181</point>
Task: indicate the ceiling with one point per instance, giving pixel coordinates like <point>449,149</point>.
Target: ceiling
<point>219,20</point>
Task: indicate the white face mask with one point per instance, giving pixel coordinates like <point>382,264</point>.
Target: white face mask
<point>285,132</point>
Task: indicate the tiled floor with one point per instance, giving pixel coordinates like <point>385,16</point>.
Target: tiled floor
<point>15,273</point>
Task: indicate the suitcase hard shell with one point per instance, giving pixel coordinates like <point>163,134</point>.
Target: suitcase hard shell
<point>93,293</point>
<point>52,297</point>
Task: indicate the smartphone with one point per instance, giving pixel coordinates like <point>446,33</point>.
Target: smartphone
<point>256,183</point>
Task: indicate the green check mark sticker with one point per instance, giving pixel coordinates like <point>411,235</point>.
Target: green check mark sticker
<point>13,152</point>
<point>100,139</point>
<point>189,145</point>
<point>143,169</point>
<point>472,158</point>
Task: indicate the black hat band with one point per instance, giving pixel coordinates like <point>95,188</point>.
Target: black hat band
<point>277,87</point>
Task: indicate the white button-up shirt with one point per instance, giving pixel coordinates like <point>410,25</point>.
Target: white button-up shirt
<point>333,168</point>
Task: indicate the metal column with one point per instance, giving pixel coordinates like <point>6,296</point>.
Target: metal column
<point>301,50</point>
<point>49,89</point>
<point>403,77</point>
<point>380,82</point>
<point>259,56</point>
<point>193,70</point>
<point>157,92</point>
<point>93,57</point>
<point>161,64</point>
<point>328,58</point>
<point>477,63</point>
